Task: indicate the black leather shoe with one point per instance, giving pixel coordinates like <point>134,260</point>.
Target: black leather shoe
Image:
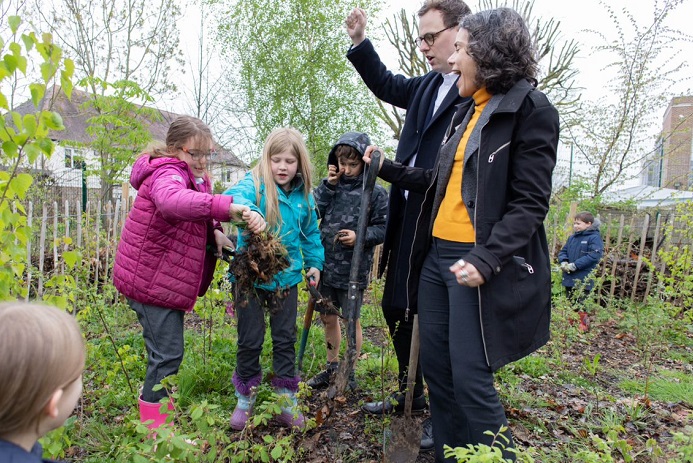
<point>427,435</point>
<point>394,403</point>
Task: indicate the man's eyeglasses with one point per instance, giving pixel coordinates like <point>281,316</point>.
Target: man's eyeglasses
<point>431,37</point>
<point>199,154</point>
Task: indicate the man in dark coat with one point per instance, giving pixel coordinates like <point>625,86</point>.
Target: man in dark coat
<point>430,102</point>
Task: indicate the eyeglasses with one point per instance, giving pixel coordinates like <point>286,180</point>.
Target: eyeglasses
<point>431,37</point>
<point>199,154</point>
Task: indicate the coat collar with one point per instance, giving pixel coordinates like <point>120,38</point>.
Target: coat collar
<point>512,100</point>
<point>510,103</point>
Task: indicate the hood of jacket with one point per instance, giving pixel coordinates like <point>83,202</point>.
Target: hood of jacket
<point>357,140</point>
<point>146,165</point>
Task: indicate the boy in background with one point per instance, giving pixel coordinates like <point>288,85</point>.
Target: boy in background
<point>338,198</point>
<point>580,255</point>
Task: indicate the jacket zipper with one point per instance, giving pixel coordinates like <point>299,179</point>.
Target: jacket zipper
<point>478,289</point>
<point>411,249</point>
<point>493,155</point>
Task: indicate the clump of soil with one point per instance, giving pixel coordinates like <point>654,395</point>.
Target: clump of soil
<point>263,257</point>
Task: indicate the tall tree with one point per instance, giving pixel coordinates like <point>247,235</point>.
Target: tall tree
<point>206,91</point>
<point>555,55</point>
<point>613,135</point>
<point>124,52</point>
<point>401,30</point>
<point>289,68</point>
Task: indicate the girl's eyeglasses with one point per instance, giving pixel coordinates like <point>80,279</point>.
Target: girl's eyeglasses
<point>199,154</point>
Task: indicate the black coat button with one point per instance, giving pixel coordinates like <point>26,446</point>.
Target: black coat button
<point>470,204</point>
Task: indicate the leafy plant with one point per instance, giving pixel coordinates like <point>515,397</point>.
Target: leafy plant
<point>482,453</point>
<point>24,139</point>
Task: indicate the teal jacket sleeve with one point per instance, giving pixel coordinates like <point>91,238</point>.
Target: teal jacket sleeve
<point>311,246</point>
<point>244,193</point>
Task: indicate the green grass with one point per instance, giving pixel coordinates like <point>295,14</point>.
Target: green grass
<point>106,429</point>
<point>667,386</point>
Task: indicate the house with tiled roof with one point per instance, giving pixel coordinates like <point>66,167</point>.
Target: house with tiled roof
<point>65,167</point>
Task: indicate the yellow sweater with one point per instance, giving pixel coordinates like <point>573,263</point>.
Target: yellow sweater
<point>452,222</point>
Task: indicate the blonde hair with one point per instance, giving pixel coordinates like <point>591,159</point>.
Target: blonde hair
<point>42,351</point>
<point>279,141</point>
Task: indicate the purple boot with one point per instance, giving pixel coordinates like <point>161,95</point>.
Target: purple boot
<point>291,415</point>
<point>245,392</point>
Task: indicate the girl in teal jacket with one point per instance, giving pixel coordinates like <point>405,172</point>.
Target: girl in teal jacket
<point>280,188</point>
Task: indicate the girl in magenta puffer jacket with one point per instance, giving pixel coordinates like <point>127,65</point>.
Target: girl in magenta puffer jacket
<point>162,263</point>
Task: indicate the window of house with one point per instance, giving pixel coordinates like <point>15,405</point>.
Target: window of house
<point>226,176</point>
<point>73,158</point>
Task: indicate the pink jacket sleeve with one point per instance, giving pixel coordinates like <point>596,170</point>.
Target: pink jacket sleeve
<point>175,201</point>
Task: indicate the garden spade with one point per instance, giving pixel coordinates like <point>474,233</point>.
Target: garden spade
<point>405,432</point>
<point>346,367</point>
<point>307,321</point>
<point>315,302</point>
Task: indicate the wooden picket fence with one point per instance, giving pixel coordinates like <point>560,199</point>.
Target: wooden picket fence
<point>62,227</point>
<point>631,240</point>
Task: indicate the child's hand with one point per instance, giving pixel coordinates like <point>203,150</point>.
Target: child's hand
<point>236,212</point>
<point>313,273</point>
<point>347,237</point>
<point>222,240</point>
<point>564,267</point>
<point>333,174</point>
<point>254,221</point>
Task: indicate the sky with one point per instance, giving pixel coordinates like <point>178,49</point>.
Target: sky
<point>576,18</point>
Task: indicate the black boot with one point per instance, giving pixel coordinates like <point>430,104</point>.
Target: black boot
<point>427,434</point>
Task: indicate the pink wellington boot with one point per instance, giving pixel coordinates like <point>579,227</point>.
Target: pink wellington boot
<point>152,412</point>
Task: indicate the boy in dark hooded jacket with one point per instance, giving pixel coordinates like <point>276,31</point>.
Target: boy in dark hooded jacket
<point>580,255</point>
<point>338,198</point>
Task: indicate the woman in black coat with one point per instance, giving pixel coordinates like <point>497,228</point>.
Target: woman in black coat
<point>480,256</point>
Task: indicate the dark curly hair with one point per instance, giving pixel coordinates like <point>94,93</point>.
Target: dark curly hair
<point>452,10</point>
<point>502,49</point>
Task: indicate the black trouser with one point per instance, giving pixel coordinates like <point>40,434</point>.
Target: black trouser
<point>162,330</point>
<point>251,335</point>
<point>464,401</point>
<point>400,325</point>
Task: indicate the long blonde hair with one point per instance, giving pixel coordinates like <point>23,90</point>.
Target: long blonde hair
<point>42,351</point>
<point>279,141</point>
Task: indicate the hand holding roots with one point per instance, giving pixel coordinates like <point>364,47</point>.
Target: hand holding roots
<point>262,257</point>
